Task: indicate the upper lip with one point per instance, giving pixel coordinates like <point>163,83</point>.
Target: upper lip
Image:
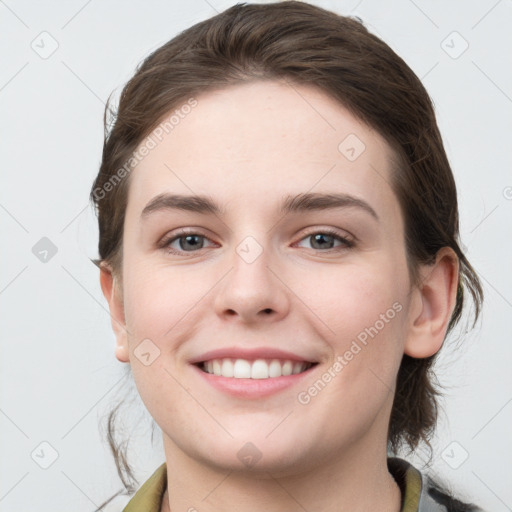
<point>250,354</point>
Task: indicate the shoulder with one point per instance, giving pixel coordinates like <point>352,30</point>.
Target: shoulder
<point>437,495</point>
<point>149,496</point>
<point>421,493</point>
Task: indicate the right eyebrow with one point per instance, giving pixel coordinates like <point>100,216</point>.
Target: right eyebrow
<point>196,204</point>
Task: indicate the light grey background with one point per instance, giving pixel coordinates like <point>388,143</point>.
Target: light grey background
<point>59,376</point>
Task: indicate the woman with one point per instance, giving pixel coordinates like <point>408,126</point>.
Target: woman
<point>279,251</point>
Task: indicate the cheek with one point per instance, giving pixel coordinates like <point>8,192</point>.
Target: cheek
<point>157,299</point>
<point>353,298</point>
<point>157,302</point>
<point>364,309</point>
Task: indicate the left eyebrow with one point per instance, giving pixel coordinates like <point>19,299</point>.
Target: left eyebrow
<point>316,201</point>
<point>291,204</point>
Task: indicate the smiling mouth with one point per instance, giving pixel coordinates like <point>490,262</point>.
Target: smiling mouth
<point>254,369</point>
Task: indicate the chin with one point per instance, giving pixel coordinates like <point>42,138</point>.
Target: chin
<point>260,457</point>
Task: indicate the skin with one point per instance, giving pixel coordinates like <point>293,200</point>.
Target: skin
<point>246,147</point>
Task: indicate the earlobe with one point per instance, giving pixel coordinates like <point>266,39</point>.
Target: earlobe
<point>435,301</point>
<point>112,293</point>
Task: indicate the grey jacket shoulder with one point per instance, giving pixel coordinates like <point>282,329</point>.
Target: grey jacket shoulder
<point>435,499</point>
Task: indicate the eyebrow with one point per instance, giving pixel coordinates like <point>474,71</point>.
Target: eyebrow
<point>291,204</point>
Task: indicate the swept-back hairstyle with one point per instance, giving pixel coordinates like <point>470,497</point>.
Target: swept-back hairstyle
<point>304,45</point>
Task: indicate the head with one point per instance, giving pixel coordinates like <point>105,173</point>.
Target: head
<point>255,105</point>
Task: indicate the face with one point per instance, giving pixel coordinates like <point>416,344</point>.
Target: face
<point>273,318</point>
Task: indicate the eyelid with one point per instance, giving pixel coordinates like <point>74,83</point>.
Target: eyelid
<point>182,232</point>
<point>330,231</point>
<point>347,239</point>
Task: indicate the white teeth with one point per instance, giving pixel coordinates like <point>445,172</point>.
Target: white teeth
<point>258,369</point>
<point>242,369</point>
<point>227,368</point>
<point>274,368</point>
<point>287,368</point>
<point>297,368</point>
<point>216,367</point>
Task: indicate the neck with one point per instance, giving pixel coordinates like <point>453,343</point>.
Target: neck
<point>355,480</point>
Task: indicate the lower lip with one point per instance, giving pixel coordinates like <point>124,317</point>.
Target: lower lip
<point>252,388</point>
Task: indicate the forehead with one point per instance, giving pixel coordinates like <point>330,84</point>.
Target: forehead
<point>260,140</point>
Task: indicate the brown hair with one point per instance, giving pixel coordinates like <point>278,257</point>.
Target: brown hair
<point>303,44</point>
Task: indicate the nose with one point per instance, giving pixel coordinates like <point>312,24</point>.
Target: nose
<point>252,290</point>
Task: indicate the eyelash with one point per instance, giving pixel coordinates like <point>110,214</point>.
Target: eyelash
<point>347,243</point>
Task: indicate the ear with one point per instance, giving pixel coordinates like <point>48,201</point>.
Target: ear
<point>433,304</point>
<point>112,292</point>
